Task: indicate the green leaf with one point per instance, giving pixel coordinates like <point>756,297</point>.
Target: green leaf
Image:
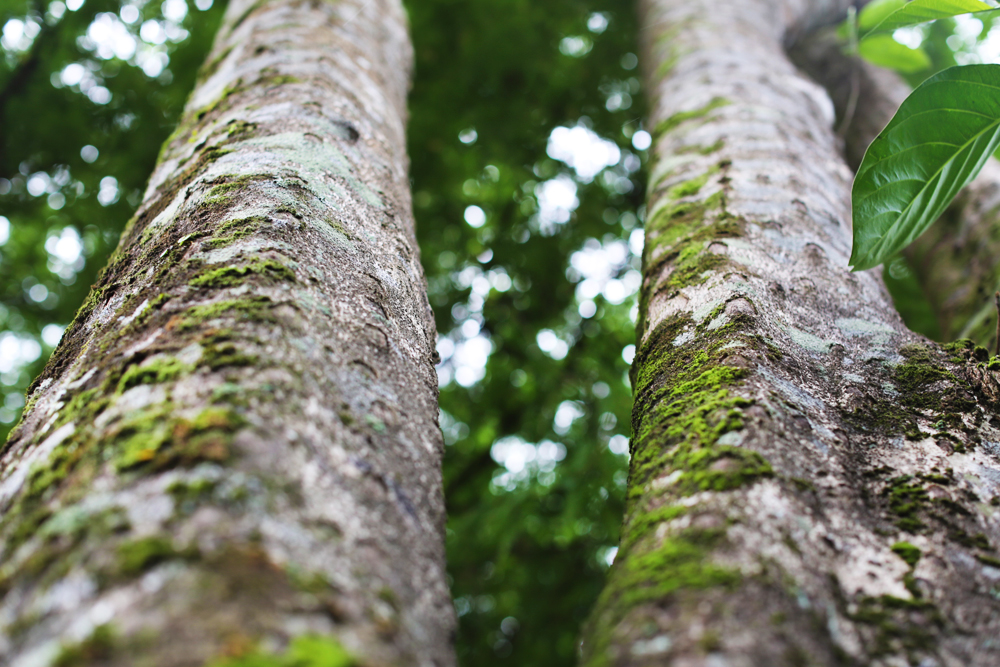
<point>922,11</point>
<point>884,51</point>
<point>875,12</point>
<point>937,142</point>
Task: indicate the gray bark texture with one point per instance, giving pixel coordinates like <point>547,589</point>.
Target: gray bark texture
<point>234,452</point>
<point>811,483</point>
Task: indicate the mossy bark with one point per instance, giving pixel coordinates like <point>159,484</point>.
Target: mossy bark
<point>811,483</point>
<point>233,456</point>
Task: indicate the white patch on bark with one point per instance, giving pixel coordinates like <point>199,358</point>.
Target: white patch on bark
<point>16,475</point>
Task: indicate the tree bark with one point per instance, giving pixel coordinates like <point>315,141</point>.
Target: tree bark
<point>810,482</point>
<point>235,448</point>
<point>865,97</point>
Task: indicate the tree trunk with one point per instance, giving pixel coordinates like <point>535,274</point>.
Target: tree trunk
<point>811,483</point>
<point>235,449</point>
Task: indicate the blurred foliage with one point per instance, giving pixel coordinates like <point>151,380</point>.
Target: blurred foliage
<point>528,546</point>
<point>531,262</point>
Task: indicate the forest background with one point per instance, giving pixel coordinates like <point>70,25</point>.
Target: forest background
<point>527,151</point>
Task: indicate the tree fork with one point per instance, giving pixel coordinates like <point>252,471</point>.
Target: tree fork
<point>234,450</point>
<point>810,482</point>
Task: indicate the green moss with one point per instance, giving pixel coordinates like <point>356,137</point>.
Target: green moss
<point>160,440</point>
<point>229,392</point>
<point>240,130</point>
<point>137,440</point>
<point>679,422</point>
<point>226,355</point>
<point>156,371</point>
<point>680,562</point>
<point>228,96</point>
<point>907,498</point>
<point>802,484</point>
<point>885,417</point>
<point>309,582</point>
<point>303,651</point>
<point>87,403</point>
<point>679,220</point>
<point>979,541</point>
<point>230,276</point>
<point>684,404</point>
<point>924,385</point>
<point>387,595</point>
<point>664,67</point>
<point>221,103</point>
<point>640,525</point>
<point>908,552</point>
<point>167,193</point>
<point>710,642</point>
<point>223,190</point>
<point>252,309</point>
<point>951,506</point>
<point>947,479</point>
<point>156,304</point>
<point>693,268</point>
<point>896,625</point>
<point>281,80</point>
<point>682,232</point>
<point>375,423</point>
<point>674,121</point>
<point>992,561</point>
<point>233,230</point>
<point>28,517</point>
<point>959,349</point>
<point>722,467</point>
<point>188,493</point>
<point>94,650</point>
<point>703,150</point>
<point>58,551</point>
<point>692,186</point>
<point>137,556</point>
<point>917,375</point>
